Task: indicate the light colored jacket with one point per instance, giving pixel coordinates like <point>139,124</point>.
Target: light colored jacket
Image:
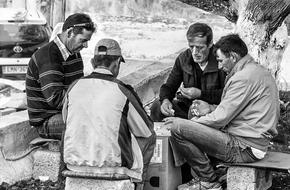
<point>102,128</point>
<point>250,105</point>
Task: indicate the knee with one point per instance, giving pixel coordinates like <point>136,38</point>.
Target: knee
<point>175,128</point>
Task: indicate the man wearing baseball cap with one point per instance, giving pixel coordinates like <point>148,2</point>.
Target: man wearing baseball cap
<point>108,133</point>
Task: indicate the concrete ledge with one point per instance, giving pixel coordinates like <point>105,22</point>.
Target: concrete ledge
<point>46,163</point>
<point>148,80</point>
<point>245,178</point>
<point>89,184</point>
<point>7,111</point>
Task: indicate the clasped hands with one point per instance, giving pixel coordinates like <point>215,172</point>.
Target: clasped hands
<point>199,108</point>
<point>190,93</point>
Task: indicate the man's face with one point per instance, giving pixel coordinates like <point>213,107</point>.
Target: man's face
<point>225,63</point>
<point>76,42</point>
<point>199,49</point>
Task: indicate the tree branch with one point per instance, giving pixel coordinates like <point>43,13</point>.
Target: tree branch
<point>219,7</point>
<point>272,11</point>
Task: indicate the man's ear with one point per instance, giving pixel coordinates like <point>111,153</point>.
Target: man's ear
<point>69,32</point>
<point>235,57</point>
<point>93,63</point>
<point>210,44</point>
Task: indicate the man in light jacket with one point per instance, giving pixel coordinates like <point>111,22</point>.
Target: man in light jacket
<point>240,128</point>
<point>107,130</point>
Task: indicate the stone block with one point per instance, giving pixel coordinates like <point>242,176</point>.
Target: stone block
<point>13,171</point>
<point>46,163</point>
<point>246,178</point>
<point>15,135</point>
<point>89,184</point>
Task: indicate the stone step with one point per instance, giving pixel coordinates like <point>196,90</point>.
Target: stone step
<point>46,163</point>
<point>245,178</point>
<point>89,184</point>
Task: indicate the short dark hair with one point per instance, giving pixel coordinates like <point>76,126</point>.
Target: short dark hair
<point>200,30</point>
<point>79,19</point>
<point>232,43</point>
<point>105,60</point>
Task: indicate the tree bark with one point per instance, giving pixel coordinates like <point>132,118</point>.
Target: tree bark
<point>260,24</point>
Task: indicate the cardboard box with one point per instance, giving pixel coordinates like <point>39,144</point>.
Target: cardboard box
<point>162,174</point>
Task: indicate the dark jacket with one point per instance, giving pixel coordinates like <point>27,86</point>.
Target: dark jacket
<point>184,70</point>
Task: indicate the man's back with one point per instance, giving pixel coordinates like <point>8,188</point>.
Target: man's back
<point>107,123</point>
<point>260,105</point>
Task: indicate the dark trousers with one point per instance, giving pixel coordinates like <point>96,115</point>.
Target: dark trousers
<point>180,107</point>
<point>52,128</point>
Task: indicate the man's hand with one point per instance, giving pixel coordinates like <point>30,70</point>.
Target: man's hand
<point>190,93</point>
<point>199,108</point>
<point>166,108</point>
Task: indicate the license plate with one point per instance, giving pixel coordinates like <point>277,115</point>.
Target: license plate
<point>14,69</point>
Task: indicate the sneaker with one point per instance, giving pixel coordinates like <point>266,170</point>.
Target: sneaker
<point>196,184</point>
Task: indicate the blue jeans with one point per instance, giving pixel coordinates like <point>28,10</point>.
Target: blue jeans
<point>52,128</point>
<point>194,142</point>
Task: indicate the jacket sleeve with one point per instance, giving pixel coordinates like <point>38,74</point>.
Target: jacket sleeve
<point>214,96</point>
<point>168,90</point>
<point>139,122</point>
<point>235,100</point>
<point>51,77</point>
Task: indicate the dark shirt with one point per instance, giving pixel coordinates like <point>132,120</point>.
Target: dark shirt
<point>210,81</point>
<point>47,79</point>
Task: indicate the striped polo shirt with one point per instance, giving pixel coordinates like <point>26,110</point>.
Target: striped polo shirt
<point>51,70</point>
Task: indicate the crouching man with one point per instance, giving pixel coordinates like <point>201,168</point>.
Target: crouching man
<point>240,128</point>
<point>107,130</point>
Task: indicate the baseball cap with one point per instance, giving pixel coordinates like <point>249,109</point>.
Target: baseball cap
<point>107,46</point>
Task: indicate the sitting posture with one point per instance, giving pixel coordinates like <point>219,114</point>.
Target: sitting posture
<point>107,130</point>
<point>195,75</point>
<point>51,70</point>
<point>239,129</point>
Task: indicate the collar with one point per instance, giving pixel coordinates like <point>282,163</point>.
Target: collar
<point>63,50</point>
<point>204,66</point>
<point>103,71</point>
<point>187,65</point>
<point>241,64</point>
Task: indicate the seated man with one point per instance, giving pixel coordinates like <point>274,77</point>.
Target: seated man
<point>107,130</point>
<point>196,70</point>
<point>51,70</point>
<point>240,128</point>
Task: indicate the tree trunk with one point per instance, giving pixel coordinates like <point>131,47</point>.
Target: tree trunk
<point>260,25</point>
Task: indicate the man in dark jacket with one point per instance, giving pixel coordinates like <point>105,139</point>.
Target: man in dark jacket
<point>195,74</point>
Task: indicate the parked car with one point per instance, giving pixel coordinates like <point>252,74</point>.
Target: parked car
<point>22,32</point>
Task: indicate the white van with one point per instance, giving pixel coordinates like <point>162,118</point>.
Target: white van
<point>22,32</point>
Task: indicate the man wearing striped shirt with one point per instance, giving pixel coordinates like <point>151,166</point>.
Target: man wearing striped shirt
<point>51,70</point>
